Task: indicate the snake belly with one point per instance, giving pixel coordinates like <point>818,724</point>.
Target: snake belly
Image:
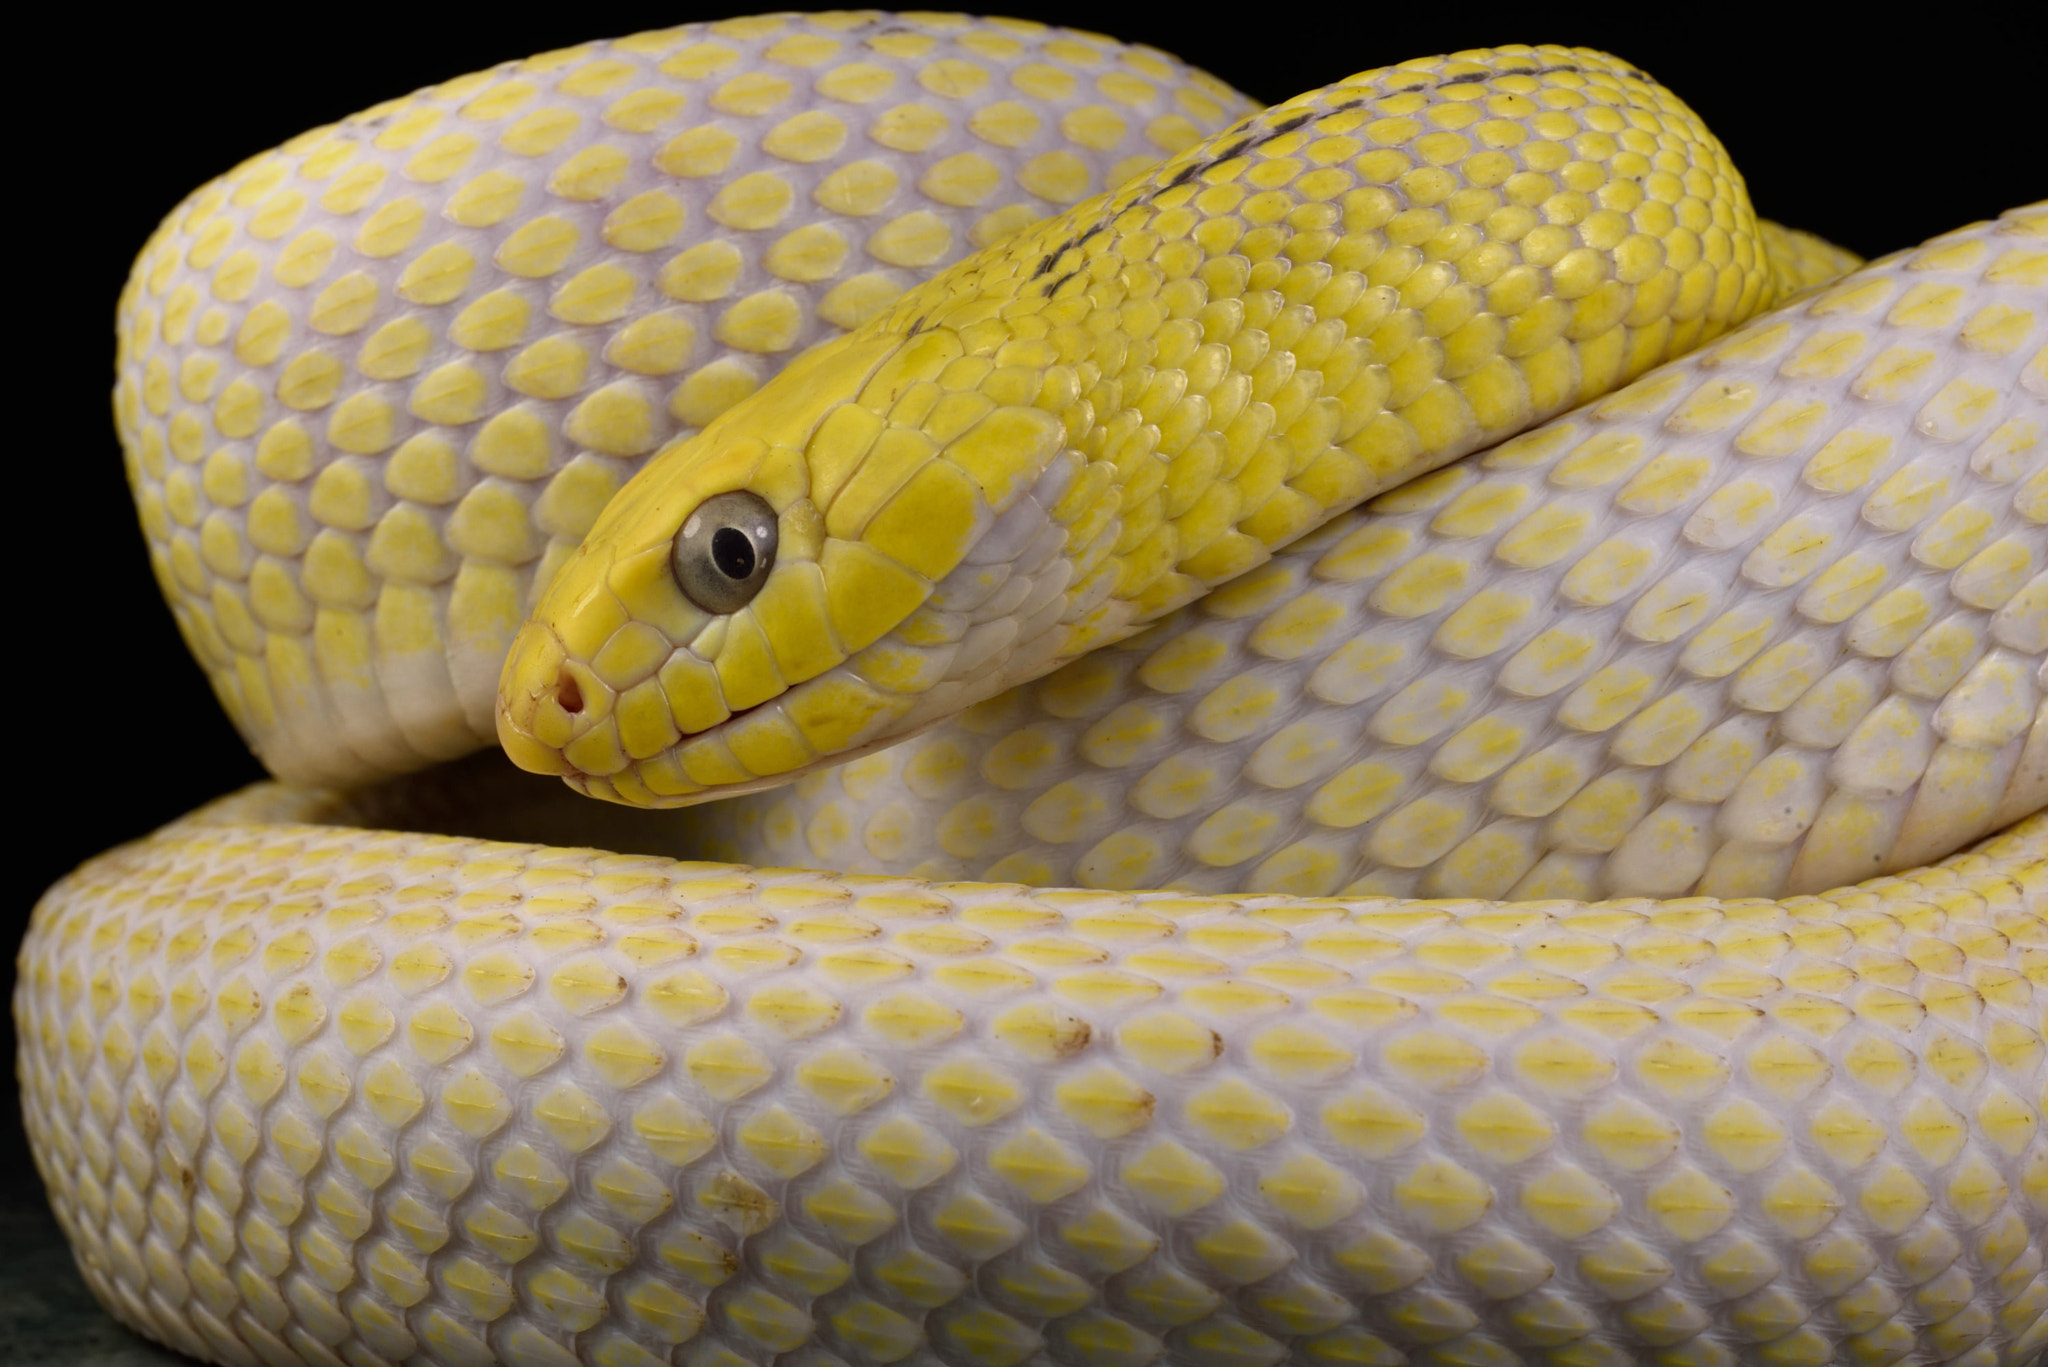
<point>306,1093</point>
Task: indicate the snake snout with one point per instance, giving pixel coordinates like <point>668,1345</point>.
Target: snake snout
<point>539,696</point>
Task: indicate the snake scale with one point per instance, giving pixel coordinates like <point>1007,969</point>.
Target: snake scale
<point>1739,603</point>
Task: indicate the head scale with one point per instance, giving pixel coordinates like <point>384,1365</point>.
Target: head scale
<point>811,576</point>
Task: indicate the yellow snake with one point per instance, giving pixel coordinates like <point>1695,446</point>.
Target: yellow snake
<point>1403,1063</point>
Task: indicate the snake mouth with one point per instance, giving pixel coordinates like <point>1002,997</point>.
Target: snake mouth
<point>556,716</point>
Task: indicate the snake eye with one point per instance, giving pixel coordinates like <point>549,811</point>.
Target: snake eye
<point>723,553</point>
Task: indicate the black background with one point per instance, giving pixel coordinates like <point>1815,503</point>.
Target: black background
<point>1875,137</point>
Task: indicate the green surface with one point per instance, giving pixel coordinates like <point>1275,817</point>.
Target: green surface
<point>47,1316</point>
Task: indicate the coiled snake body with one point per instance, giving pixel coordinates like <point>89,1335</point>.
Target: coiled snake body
<point>1767,621</point>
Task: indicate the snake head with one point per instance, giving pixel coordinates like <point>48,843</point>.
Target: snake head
<point>852,553</point>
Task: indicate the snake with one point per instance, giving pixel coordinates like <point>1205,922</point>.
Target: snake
<point>1429,736</point>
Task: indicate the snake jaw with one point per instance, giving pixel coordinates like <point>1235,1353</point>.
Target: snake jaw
<point>845,650</point>
<point>912,574</point>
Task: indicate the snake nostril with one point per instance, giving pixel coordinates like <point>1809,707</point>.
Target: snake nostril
<point>569,695</point>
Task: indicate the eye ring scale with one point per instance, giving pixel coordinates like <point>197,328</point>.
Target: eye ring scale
<point>724,551</point>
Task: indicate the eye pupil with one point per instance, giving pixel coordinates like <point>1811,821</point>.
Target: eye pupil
<point>733,552</point>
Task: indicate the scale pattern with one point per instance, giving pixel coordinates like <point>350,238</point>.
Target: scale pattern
<point>311,1094</point>
<point>1800,261</point>
<point>1092,423</point>
<point>302,1093</point>
<point>375,385</point>
<point>1771,619</point>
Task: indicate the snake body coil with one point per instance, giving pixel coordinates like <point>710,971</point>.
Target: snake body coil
<point>1769,620</point>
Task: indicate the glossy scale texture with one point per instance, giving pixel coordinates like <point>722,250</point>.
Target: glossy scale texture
<point>306,1092</point>
<point>1770,620</point>
<point>1065,437</point>
<point>375,385</point>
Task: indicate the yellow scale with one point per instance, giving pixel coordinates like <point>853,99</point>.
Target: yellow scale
<point>302,1089</point>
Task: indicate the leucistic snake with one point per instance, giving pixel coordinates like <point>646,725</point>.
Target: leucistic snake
<point>1409,1065</point>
